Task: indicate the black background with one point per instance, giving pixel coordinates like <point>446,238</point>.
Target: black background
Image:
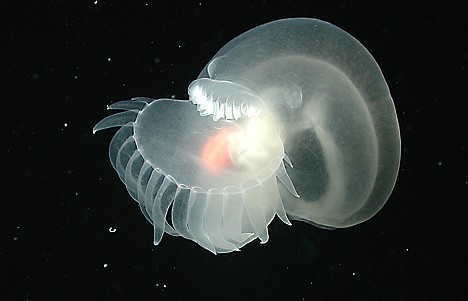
<point>63,62</point>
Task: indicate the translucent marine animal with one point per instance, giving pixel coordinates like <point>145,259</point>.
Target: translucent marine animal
<point>292,118</point>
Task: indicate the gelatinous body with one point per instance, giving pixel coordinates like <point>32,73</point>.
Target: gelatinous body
<point>292,118</point>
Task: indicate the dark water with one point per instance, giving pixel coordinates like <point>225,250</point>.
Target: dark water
<point>70,230</point>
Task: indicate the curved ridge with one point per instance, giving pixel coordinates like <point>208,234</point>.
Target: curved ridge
<point>224,99</point>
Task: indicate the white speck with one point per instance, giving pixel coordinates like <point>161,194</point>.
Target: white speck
<point>65,124</point>
<point>105,265</point>
<point>112,230</point>
<point>108,59</point>
<point>354,274</point>
<point>439,163</point>
<point>76,76</point>
<point>95,2</point>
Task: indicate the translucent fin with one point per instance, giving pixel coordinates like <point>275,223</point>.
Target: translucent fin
<point>160,206</point>
<point>180,211</point>
<point>128,105</point>
<point>117,141</point>
<point>286,158</point>
<point>115,120</point>
<point>253,196</point>
<point>281,213</point>
<point>154,183</point>
<point>270,186</point>
<point>197,207</point>
<point>131,174</point>
<point>232,216</point>
<point>283,176</point>
<point>143,179</point>
<point>143,99</point>
<point>213,219</point>
<point>123,156</point>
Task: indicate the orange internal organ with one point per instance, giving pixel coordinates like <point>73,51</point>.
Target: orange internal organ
<point>215,153</point>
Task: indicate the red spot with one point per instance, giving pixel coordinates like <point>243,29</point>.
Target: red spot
<point>215,153</point>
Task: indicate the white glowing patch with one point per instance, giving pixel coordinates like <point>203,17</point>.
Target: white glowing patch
<point>224,99</point>
<point>255,144</point>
